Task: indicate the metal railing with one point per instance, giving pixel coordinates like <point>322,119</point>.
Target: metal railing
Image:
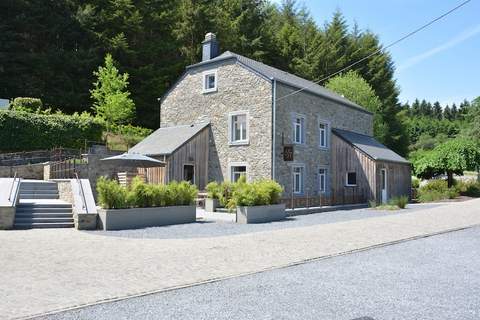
<point>11,187</point>
<point>82,193</point>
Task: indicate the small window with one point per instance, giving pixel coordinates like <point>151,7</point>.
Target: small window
<point>189,173</point>
<point>322,180</point>
<point>210,81</point>
<point>323,134</point>
<point>237,172</point>
<point>239,128</point>
<point>351,179</point>
<point>298,179</point>
<point>299,129</point>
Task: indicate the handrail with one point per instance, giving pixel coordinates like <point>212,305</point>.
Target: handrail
<point>82,193</point>
<point>11,187</point>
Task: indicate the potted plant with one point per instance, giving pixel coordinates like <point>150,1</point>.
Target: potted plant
<point>144,205</point>
<point>257,202</point>
<point>213,196</point>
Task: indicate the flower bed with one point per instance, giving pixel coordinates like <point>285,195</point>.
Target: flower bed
<point>144,205</point>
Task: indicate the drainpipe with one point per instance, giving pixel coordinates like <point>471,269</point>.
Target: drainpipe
<point>160,111</point>
<point>274,107</point>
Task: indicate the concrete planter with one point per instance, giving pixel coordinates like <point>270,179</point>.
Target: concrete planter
<point>7,217</point>
<point>259,214</point>
<point>211,205</point>
<point>136,218</point>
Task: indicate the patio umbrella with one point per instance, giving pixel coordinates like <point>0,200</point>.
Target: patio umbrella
<point>134,160</point>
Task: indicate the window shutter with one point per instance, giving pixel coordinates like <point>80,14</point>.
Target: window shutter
<point>304,129</point>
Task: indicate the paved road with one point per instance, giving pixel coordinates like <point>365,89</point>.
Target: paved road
<point>431,278</point>
<point>47,270</point>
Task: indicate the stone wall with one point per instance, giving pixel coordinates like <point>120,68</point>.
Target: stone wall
<point>310,155</point>
<point>29,171</point>
<point>238,90</point>
<point>65,190</point>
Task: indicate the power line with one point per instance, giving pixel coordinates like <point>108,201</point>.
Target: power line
<point>379,50</point>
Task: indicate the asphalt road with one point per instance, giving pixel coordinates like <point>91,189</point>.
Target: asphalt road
<point>431,278</point>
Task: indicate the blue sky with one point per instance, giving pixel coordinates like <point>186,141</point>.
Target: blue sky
<point>440,63</point>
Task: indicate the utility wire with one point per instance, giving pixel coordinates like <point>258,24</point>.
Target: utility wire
<point>379,50</point>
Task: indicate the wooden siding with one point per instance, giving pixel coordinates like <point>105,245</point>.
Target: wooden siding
<point>193,152</point>
<point>346,158</point>
<point>399,179</point>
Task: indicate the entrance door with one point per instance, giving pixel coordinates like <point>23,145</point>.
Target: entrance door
<point>189,173</point>
<point>383,183</point>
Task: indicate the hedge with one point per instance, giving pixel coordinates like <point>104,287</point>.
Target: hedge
<point>23,131</point>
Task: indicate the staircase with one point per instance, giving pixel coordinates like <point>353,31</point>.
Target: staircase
<point>40,207</point>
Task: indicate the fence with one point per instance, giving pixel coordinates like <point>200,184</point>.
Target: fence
<point>38,156</point>
<point>66,169</point>
<point>308,201</point>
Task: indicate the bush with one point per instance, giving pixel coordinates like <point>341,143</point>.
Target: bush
<point>436,190</point>
<point>26,104</point>
<point>23,131</point>
<point>214,190</point>
<point>468,188</point>
<point>400,202</point>
<point>415,183</point>
<point>111,195</point>
<point>262,192</point>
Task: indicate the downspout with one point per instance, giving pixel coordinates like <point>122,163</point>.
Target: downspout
<point>160,111</point>
<point>274,107</point>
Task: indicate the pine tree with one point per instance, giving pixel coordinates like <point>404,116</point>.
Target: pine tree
<point>437,110</point>
<point>416,108</point>
<point>447,113</point>
<point>454,112</point>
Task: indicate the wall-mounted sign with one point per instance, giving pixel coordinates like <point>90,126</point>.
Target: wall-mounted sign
<point>288,153</point>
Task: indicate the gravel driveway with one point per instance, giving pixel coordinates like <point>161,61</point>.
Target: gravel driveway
<point>212,227</point>
<point>431,278</point>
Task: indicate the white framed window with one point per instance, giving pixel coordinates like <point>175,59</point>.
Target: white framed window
<point>351,179</point>
<point>322,180</point>
<point>238,127</point>
<point>210,81</point>
<point>298,129</point>
<point>324,134</point>
<point>298,176</point>
<point>237,170</point>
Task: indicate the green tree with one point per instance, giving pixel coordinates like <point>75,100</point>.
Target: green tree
<point>451,157</point>
<point>110,94</point>
<point>472,125</point>
<point>437,110</point>
<point>355,88</point>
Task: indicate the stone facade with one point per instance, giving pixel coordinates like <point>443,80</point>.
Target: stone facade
<point>27,171</point>
<point>238,89</point>
<point>314,109</point>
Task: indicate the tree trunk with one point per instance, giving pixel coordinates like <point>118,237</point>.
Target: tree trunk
<point>450,179</point>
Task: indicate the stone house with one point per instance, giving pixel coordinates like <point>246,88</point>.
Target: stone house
<point>266,123</point>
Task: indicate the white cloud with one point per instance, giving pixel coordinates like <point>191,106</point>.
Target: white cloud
<point>465,35</point>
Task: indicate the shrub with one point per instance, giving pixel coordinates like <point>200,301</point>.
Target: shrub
<point>400,201</point>
<point>415,183</point>
<point>262,192</point>
<point>23,131</point>
<point>111,195</point>
<point>141,195</point>
<point>372,203</point>
<point>468,188</point>
<point>436,190</point>
<point>26,104</point>
<point>214,190</point>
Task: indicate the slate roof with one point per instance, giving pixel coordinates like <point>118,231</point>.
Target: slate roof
<point>165,141</point>
<point>282,76</point>
<point>369,146</point>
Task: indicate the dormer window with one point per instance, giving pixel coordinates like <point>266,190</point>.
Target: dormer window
<point>210,81</point>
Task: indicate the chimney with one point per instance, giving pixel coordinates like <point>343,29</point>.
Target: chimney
<point>209,47</point>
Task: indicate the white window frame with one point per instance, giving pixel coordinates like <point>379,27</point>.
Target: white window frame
<point>231,134</point>
<point>303,124</point>
<point>325,176</point>
<point>204,80</point>
<point>327,131</point>
<point>232,165</point>
<point>302,179</point>
<point>346,179</point>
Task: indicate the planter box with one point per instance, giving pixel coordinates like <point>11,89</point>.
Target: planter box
<point>259,214</point>
<point>211,205</point>
<point>136,218</point>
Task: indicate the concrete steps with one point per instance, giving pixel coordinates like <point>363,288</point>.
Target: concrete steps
<point>39,207</point>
